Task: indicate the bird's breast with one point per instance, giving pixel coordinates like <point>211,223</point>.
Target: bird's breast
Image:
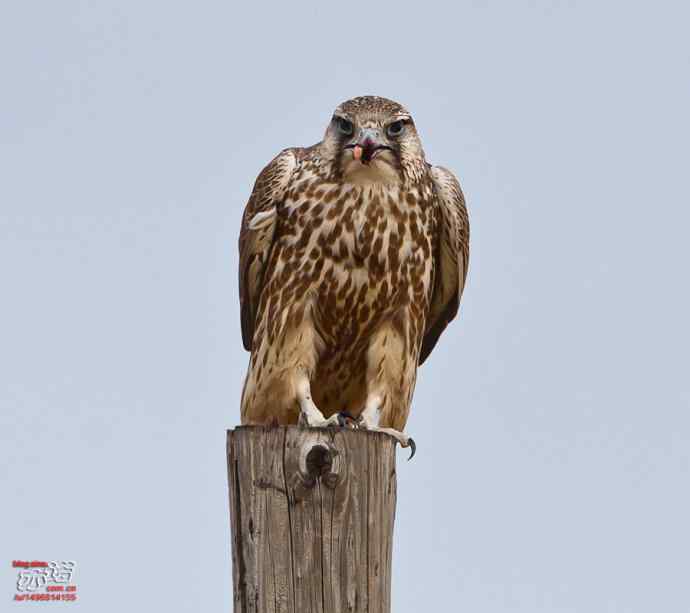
<point>356,226</point>
<point>368,248</point>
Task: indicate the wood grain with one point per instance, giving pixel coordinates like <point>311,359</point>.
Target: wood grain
<point>312,514</point>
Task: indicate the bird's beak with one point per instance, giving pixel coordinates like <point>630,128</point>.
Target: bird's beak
<point>367,143</point>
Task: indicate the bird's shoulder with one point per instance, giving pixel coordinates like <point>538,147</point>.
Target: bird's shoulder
<point>446,183</point>
<point>450,197</point>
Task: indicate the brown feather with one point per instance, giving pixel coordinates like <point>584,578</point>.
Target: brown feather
<point>452,257</point>
<point>255,242</point>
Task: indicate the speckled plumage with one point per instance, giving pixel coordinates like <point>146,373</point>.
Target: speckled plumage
<point>349,272</point>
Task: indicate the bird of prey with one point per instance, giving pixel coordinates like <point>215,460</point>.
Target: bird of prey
<point>353,259</point>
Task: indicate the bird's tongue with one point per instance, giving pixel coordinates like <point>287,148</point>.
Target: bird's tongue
<point>362,154</point>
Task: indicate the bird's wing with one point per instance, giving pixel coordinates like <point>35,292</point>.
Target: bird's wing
<point>257,233</point>
<point>452,257</point>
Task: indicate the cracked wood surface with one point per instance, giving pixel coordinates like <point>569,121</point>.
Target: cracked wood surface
<point>311,514</point>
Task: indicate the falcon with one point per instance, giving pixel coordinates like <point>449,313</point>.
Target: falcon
<point>353,259</point>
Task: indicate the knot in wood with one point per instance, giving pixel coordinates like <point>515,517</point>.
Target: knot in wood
<point>319,460</point>
<point>319,465</point>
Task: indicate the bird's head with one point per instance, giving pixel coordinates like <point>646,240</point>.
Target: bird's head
<point>373,140</point>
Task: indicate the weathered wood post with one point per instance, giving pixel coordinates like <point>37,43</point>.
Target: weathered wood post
<point>312,515</point>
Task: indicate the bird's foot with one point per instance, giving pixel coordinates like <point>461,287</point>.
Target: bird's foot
<point>342,419</point>
<point>316,419</point>
<point>347,421</point>
<point>401,437</point>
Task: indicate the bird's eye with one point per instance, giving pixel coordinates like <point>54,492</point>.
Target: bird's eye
<point>396,128</point>
<point>345,127</point>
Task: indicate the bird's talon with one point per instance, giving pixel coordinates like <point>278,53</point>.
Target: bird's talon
<point>413,447</point>
<point>346,420</point>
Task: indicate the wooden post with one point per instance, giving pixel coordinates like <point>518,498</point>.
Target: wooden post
<point>312,515</point>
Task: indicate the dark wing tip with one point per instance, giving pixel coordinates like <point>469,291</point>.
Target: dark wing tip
<point>434,333</point>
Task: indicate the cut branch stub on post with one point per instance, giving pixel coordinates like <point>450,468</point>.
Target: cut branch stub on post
<point>312,514</point>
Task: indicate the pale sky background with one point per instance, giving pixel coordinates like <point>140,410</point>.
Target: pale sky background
<point>553,418</point>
